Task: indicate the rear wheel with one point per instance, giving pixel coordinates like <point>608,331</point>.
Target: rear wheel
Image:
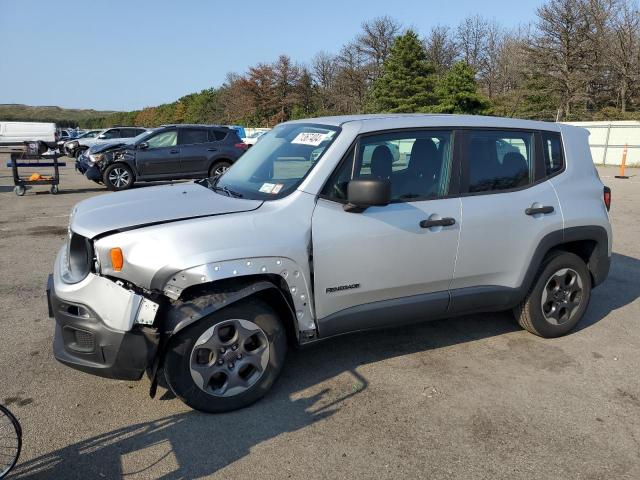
<point>219,168</point>
<point>118,177</point>
<point>558,298</point>
<point>228,360</point>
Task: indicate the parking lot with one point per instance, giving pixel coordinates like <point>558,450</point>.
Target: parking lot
<point>470,397</point>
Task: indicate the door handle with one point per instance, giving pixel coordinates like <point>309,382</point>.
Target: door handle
<point>535,210</point>
<point>174,150</point>
<point>443,222</point>
<point>212,149</point>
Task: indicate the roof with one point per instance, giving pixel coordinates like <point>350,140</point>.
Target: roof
<point>194,125</point>
<point>372,122</point>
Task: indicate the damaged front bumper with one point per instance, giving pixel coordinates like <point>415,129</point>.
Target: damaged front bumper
<point>99,326</point>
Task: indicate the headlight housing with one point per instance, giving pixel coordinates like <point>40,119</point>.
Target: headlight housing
<point>78,258</point>
<point>73,144</point>
<point>96,157</point>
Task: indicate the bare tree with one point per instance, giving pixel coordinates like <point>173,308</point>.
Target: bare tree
<point>441,48</point>
<point>471,36</point>
<point>562,53</point>
<point>324,68</point>
<point>352,80</point>
<point>375,41</point>
<point>624,42</point>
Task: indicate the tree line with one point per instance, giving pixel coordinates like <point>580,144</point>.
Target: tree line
<point>577,60</point>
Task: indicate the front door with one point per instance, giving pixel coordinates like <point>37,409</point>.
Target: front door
<point>395,253</point>
<point>161,156</point>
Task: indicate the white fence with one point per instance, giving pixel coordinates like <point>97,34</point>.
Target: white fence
<point>608,139</point>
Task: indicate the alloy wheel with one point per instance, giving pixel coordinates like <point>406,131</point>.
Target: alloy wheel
<point>229,358</point>
<point>119,177</point>
<point>562,296</point>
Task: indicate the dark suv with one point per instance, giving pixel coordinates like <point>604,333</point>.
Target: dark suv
<point>170,152</point>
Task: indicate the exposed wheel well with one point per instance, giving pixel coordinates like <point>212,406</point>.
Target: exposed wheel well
<point>281,302</point>
<point>585,249</point>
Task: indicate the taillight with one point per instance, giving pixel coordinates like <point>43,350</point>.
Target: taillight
<point>606,196</point>
<point>241,145</point>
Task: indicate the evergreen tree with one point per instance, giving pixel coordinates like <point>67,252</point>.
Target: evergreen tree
<point>407,80</point>
<point>458,92</point>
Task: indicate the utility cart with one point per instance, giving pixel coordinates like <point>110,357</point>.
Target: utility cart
<point>32,155</point>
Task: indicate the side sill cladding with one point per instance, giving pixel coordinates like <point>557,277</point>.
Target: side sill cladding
<point>286,268</point>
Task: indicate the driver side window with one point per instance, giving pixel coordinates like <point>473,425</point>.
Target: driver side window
<point>164,139</point>
<point>417,163</point>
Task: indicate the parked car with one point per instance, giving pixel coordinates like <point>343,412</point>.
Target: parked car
<point>85,134</point>
<point>207,283</point>
<point>75,147</point>
<point>253,138</point>
<point>168,153</point>
<point>16,133</point>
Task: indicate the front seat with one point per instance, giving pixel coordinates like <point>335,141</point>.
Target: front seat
<point>381,163</point>
<point>423,172</point>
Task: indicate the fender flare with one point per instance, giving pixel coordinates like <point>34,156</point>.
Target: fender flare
<point>184,313</point>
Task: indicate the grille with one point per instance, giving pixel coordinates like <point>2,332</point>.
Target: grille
<point>83,341</point>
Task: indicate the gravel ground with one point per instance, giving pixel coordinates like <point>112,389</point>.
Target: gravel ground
<point>471,397</point>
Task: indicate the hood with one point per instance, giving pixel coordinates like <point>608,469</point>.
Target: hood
<point>142,207</point>
<point>103,146</point>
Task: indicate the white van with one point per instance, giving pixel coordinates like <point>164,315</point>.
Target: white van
<point>13,133</point>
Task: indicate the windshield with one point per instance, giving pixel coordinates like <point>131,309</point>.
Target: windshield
<point>278,163</point>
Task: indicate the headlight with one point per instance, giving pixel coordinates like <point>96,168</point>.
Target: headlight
<point>96,157</point>
<point>73,144</point>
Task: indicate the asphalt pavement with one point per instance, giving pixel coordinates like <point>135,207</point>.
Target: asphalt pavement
<point>470,397</point>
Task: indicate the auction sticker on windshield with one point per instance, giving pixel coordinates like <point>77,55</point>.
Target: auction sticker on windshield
<point>310,138</point>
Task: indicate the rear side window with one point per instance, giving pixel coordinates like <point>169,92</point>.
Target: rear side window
<point>127,133</point>
<point>217,135</point>
<point>190,136</point>
<point>113,133</point>
<point>552,151</point>
<point>498,160</point>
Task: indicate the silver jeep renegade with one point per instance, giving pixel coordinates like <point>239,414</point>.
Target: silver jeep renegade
<point>328,226</point>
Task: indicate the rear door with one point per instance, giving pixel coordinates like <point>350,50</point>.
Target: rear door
<point>387,253</point>
<point>195,149</point>
<point>508,207</point>
<point>161,157</point>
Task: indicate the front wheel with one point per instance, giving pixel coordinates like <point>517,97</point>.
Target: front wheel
<point>118,177</point>
<point>228,360</point>
<point>558,298</point>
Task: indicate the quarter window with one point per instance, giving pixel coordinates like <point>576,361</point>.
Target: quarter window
<point>416,162</point>
<point>552,149</point>
<point>190,136</point>
<point>168,138</point>
<point>498,160</point>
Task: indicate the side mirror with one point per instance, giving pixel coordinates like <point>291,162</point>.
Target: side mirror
<point>362,194</point>
<point>102,136</point>
<point>143,146</point>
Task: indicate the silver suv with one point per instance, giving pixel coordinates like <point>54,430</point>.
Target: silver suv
<point>328,226</point>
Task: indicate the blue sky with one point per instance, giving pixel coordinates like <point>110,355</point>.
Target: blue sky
<point>123,55</point>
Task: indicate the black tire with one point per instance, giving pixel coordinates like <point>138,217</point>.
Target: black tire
<point>118,176</point>
<point>12,441</point>
<point>531,315</point>
<point>219,167</point>
<point>177,361</point>
<point>19,190</point>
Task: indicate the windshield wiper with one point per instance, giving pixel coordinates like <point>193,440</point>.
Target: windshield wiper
<point>213,185</point>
